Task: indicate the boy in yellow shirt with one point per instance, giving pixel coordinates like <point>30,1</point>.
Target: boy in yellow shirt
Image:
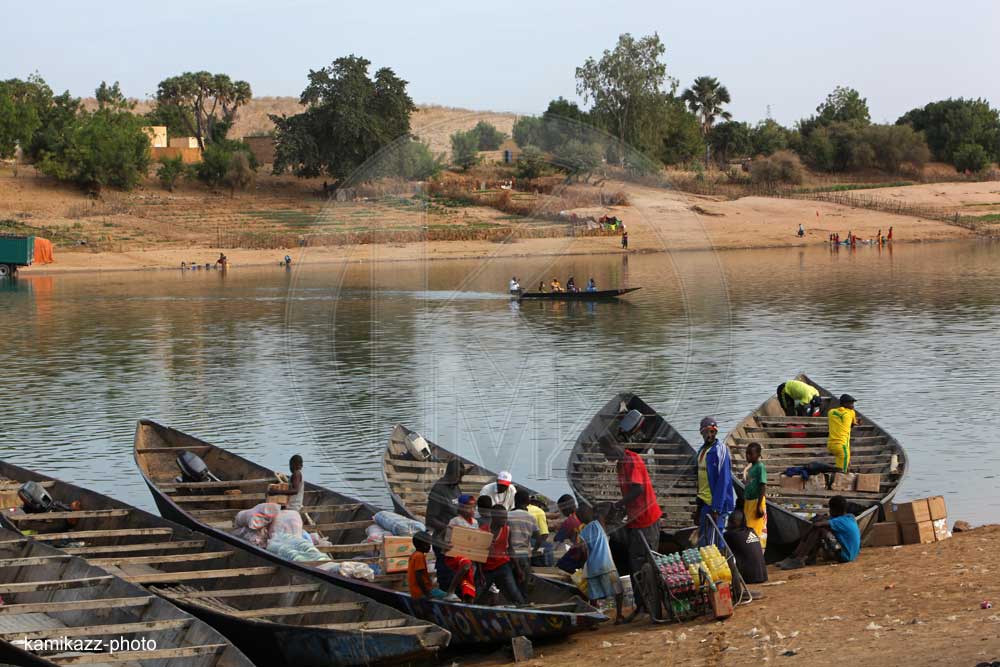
<point>841,419</point>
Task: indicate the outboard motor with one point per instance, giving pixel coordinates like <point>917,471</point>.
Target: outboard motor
<point>417,446</point>
<point>37,500</point>
<point>631,424</point>
<point>193,469</point>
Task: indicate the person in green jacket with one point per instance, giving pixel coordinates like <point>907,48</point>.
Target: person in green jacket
<point>755,484</point>
<point>799,399</point>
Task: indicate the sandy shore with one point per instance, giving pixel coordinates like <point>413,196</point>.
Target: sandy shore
<point>151,229</point>
<point>912,605</point>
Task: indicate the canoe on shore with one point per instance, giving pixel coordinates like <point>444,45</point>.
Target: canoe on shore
<point>49,595</point>
<point>796,441</point>
<point>670,460</point>
<point>342,520</point>
<point>577,296</point>
<point>273,613</point>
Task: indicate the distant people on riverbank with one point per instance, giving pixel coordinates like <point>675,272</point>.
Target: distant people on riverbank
<point>802,231</point>
<point>223,261</point>
<point>514,286</point>
<point>837,538</point>
<point>624,239</point>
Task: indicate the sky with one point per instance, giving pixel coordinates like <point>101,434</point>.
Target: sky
<point>782,55</point>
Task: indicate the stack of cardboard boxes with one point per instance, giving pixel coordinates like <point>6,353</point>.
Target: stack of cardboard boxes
<point>862,482</point>
<point>917,522</point>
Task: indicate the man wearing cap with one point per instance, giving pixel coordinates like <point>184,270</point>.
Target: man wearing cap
<point>638,500</point>
<point>501,492</point>
<point>841,419</point>
<point>716,496</point>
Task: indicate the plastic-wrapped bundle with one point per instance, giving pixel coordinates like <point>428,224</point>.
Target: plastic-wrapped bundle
<point>397,524</point>
<point>287,522</point>
<point>295,547</point>
<point>257,517</point>
<point>376,533</point>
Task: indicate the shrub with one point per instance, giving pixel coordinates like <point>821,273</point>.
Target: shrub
<point>490,137</point>
<point>465,149</point>
<point>240,175</point>
<point>577,158</point>
<point>172,169</point>
<point>972,158</point>
<point>531,163</point>
<point>411,160</point>
<point>893,145</point>
<point>782,167</point>
<point>217,159</point>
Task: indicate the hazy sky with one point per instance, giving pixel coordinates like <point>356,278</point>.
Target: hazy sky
<point>516,56</point>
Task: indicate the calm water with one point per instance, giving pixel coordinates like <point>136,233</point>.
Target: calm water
<point>325,359</point>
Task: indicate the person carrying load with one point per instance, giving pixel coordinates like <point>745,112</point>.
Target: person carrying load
<point>841,419</point>
<point>799,399</point>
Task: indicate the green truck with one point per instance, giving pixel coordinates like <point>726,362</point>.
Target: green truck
<point>15,252</point>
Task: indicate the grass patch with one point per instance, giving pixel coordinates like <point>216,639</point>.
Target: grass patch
<point>846,187</point>
<point>60,236</point>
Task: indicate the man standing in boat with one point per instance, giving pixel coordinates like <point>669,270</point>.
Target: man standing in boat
<point>442,507</point>
<point>840,422</point>
<point>502,492</point>
<point>716,496</point>
<point>638,500</point>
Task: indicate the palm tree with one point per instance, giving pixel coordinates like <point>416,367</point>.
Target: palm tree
<point>705,99</point>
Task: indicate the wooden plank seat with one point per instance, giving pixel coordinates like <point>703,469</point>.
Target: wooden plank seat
<point>360,547</point>
<point>143,546</point>
<point>198,575</point>
<point>235,592</point>
<point>194,449</point>
<point>272,612</point>
<point>101,630</point>
<point>236,497</point>
<point>165,558</point>
<point>33,560</point>
<point>72,605</point>
<point>788,429</point>
<point>59,585</point>
<point>231,512</point>
<point>137,656</point>
<point>861,440</point>
<point>92,534</point>
<point>221,484</point>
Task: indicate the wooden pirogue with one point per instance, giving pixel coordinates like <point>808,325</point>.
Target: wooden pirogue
<point>410,480</point>
<point>583,295</point>
<point>796,441</point>
<point>60,610</point>
<point>670,460</point>
<point>343,520</point>
<point>273,613</point>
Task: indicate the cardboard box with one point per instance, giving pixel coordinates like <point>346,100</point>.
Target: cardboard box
<point>396,553</point>
<point>885,535</point>
<point>941,531</point>
<point>722,601</point>
<point>917,533</point>
<point>792,483</point>
<point>937,508</point>
<point>869,482</point>
<point>472,543</point>
<point>278,493</point>
<point>816,483</point>
<point>915,511</point>
<point>843,481</point>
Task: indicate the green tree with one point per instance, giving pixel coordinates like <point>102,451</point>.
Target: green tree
<point>217,162</point>
<point>19,115</point>
<point>103,148</point>
<point>531,163</point>
<point>578,158</point>
<point>843,105</point>
<point>892,146</point>
<point>678,133</point>
<point>950,124</point>
<point>409,159</point>
<point>490,137</point>
<point>971,158</point>
<point>178,120</point>
<point>241,174</point>
<point>465,149</point>
<point>730,140</point>
<point>172,169</point>
<point>207,103</point>
<point>705,99</point>
<point>349,117</point>
<point>111,97</point>
<point>621,85</point>
<point>768,137</point>
<point>527,131</point>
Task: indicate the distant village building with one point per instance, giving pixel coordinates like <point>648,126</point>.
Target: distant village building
<point>183,142</point>
<point>157,135</point>
<point>507,153</point>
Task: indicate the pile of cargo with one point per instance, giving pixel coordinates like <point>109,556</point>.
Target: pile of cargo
<point>920,521</point>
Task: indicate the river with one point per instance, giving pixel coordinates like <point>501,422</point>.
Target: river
<point>324,359</point>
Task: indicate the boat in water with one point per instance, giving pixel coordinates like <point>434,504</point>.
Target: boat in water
<point>796,441</point>
<point>275,614</point>
<point>343,522</point>
<point>597,295</point>
<point>669,458</point>
<point>59,609</point>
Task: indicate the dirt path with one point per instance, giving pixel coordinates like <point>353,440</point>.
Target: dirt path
<point>913,605</point>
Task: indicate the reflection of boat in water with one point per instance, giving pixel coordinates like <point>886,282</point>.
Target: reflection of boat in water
<point>796,441</point>
<point>597,295</point>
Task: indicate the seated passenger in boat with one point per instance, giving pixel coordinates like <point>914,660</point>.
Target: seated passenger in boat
<point>514,286</point>
<point>591,286</point>
<point>837,538</point>
<point>418,577</point>
<point>555,285</point>
<point>541,285</point>
<point>571,285</point>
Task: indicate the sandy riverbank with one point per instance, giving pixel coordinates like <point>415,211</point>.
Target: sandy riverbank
<point>912,605</point>
<point>152,229</point>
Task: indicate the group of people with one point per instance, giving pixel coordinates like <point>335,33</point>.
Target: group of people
<point>852,238</point>
<point>571,286</point>
<point>801,399</point>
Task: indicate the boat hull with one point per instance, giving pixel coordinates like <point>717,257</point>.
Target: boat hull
<point>577,296</point>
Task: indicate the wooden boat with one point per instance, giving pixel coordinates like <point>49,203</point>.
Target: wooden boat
<point>76,608</point>
<point>793,441</point>
<point>578,296</point>
<point>273,613</point>
<point>342,520</point>
<point>670,460</point>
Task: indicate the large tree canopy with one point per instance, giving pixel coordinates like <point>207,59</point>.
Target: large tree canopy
<point>624,85</point>
<point>205,103</point>
<point>348,119</point>
<point>843,105</point>
<point>19,112</point>
<point>949,124</point>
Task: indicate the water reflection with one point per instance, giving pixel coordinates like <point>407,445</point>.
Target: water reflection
<point>323,360</point>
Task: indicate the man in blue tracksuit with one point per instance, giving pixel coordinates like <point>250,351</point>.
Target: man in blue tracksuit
<point>716,496</point>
